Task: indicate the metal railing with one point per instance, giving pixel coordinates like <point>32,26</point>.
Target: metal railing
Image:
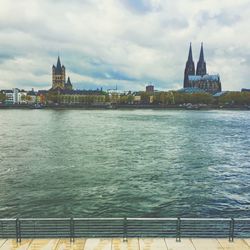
<point>124,228</point>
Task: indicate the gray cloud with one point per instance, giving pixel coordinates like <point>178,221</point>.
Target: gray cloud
<point>223,18</point>
<point>125,42</point>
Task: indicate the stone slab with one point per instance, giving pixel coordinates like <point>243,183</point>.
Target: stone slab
<point>238,244</point>
<point>152,244</point>
<point>2,241</point>
<point>130,244</point>
<point>13,245</point>
<point>206,244</point>
<point>43,244</point>
<point>65,244</point>
<point>98,244</point>
<point>248,242</point>
<point>185,244</point>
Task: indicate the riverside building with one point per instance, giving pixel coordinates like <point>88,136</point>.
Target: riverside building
<point>199,78</point>
<point>63,92</point>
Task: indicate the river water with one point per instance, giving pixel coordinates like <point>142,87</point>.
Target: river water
<point>135,163</point>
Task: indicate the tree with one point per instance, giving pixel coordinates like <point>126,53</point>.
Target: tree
<point>2,97</point>
<point>237,98</point>
<point>145,97</point>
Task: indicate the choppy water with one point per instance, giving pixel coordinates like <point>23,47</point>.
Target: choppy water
<point>124,163</point>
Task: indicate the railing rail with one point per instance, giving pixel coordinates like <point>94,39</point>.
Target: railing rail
<point>72,228</point>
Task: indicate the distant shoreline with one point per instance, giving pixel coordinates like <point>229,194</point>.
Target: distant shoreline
<point>127,107</point>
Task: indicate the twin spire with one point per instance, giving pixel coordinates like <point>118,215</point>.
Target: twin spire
<point>201,69</point>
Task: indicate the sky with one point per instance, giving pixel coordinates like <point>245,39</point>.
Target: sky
<point>128,43</point>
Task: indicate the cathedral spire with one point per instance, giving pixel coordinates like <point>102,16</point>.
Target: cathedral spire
<point>201,65</point>
<point>190,68</point>
<point>201,54</point>
<point>190,54</point>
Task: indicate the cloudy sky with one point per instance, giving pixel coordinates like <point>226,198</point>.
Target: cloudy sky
<point>128,43</point>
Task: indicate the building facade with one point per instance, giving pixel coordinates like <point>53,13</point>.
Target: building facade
<point>199,78</point>
<point>209,83</point>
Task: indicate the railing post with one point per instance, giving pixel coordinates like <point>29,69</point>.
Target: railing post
<point>178,230</point>
<point>125,229</point>
<point>72,230</point>
<point>231,230</point>
<point>17,230</point>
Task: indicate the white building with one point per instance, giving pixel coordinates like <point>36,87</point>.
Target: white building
<point>9,96</point>
<point>15,95</point>
<point>22,97</point>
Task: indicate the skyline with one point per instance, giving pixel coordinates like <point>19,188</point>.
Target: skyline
<point>123,43</point>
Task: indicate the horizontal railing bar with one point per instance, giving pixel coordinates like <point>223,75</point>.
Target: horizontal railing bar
<point>8,219</point>
<point>205,219</point>
<point>86,219</point>
<point>129,218</point>
<point>151,219</point>
<point>44,219</point>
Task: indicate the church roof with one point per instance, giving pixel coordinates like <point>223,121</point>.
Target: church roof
<point>204,78</point>
<point>191,90</point>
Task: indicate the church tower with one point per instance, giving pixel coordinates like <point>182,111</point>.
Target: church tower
<point>68,85</point>
<point>190,68</point>
<point>58,75</point>
<point>201,65</point>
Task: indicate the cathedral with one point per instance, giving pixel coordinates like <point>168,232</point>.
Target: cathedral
<point>199,78</point>
<point>59,78</point>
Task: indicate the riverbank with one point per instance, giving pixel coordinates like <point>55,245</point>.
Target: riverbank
<point>126,106</point>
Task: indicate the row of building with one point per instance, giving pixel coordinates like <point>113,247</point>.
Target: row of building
<point>196,80</point>
<point>17,96</point>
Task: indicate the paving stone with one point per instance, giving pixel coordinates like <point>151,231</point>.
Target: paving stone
<point>248,242</point>
<point>2,241</point>
<point>185,244</point>
<point>13,245</point>
<point>130,244</point>
<point>152,244</point>
<point>65,244</point>
<point>206,244</point>
<point>238,244</point>
<point>43,244</point>
<point>98,244</point>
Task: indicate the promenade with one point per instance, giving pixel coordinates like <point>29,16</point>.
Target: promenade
<point>119,244</point>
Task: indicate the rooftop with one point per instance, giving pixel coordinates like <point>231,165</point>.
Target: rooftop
<point>191,90</point>
<point>204,78</point>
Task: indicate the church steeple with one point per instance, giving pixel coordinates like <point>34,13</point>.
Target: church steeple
<point>68,84</point>
<point>58,65</point>
<point>190,68</point>
<point>190,54</point>
<point>201,65</point>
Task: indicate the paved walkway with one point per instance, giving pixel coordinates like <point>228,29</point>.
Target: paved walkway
<point>131,244</point>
